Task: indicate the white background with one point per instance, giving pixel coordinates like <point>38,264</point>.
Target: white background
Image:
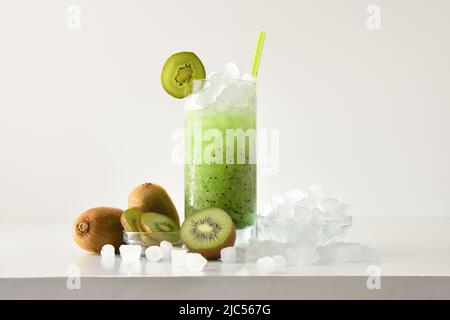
<point>365,113</point>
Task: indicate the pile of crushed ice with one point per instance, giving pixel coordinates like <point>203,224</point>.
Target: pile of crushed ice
<point>298,216</point>
<point>223,90</point>
<point>300,228</point>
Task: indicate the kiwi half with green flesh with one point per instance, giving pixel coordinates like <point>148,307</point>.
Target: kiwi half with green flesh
<point>208,231</point>
<point>153,222</point>
<point>178,72</point>
<point>98,226</point>
<point>130,220</point>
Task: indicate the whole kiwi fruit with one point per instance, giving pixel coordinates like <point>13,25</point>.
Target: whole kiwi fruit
<point>151,197</point>
<point>98,226</point>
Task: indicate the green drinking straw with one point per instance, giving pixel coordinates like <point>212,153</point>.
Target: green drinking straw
<point>257,53</point>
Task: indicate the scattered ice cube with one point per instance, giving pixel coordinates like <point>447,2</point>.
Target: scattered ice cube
<point>265,265</point>
<point>285,211</point>
<point>232,254</point>
<point>342,252</point>
<point>231,71</point>
<point>154,253</point>
<point>280,262</point>
<point>130,252</point>
<point>166,247</point>
<point>179,258</point>
<point>108,250</point>
<point>291,197</point>
<point>248,77</point>
<point>195,261</point>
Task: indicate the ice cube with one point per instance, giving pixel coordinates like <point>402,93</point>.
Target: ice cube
<point>291,197</point>
<point>166,247</point>
<point>276,201</point>
<point>343,208</point>
<point>306,202</point>
<point>179,257</point>
<point>231,71</point>
<point>248,77</point>
<point>205,98</point>
<point>227,96</point>
<point>330,204</point>
<point>285,211</point>
<point>302,212</point>
<point>108,250</point>
<point>245,92</point>
<point>154,253</point>
<point>317,217</point>
<point>130,252</point>
<point>232,254</point>
<point>280,262</point>
<point>265,265</point>
<point>195,262</point>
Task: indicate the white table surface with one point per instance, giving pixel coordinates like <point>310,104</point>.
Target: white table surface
<point>415,263</point>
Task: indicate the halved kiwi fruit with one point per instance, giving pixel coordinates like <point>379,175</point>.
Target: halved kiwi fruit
<point>158,227</point>
<point>153,222</point>
<point>208,231</point>
<point>178,72</point>
<point>130,220</point>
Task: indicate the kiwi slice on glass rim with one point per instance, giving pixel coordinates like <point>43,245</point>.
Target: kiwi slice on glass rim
<point>179,71</point>
<point>208,231</point>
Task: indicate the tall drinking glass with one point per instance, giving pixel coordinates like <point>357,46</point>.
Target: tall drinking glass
<point>220,150</point>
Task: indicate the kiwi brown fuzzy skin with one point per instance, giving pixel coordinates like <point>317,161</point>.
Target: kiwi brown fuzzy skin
<point>214,253</point>
<point>151,197</point>
<point>98,226</point>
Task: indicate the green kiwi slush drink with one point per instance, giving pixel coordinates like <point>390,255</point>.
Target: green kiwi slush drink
<point>220,148</point>
<point>220,144</point>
